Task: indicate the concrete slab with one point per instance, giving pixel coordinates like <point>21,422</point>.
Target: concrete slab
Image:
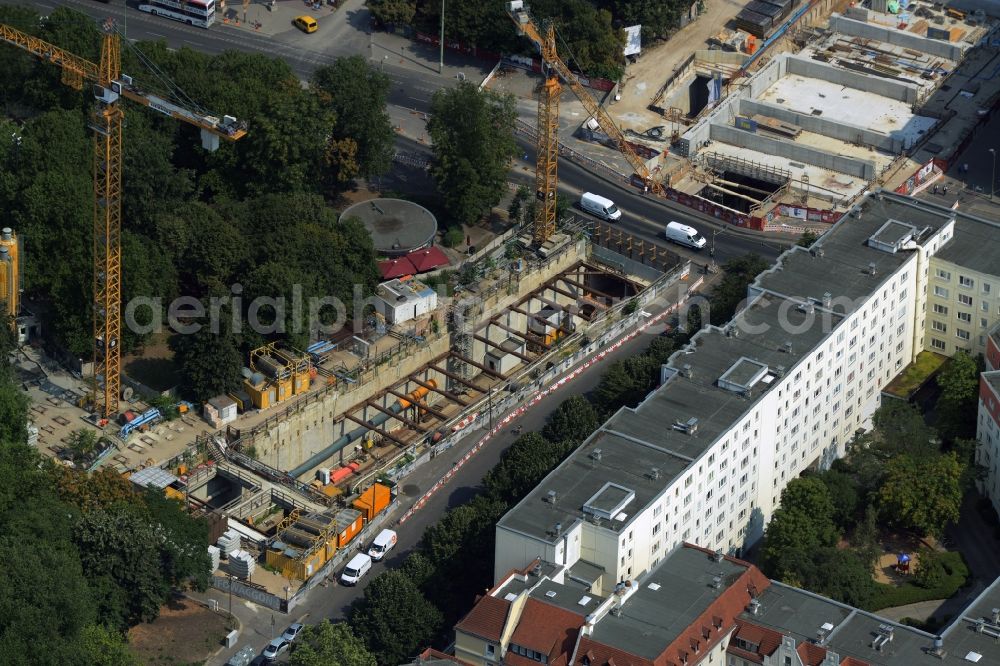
<point>849,105</point>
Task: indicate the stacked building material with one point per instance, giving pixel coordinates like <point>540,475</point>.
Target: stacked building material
<point>242,564</point>
<point>229,542</point>
<point>215,554</point>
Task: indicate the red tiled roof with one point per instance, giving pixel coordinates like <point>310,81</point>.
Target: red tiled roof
<point>851,661</point>
<point>427,259</point>
<point>486,619</point>
<point>394,268</point>
<point>599,654</point>
<point>430,654</point>
<point>547,629</point>
<point>811,654</point>
<point>767,640</point>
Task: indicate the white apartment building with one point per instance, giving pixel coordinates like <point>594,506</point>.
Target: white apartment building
<point>988,420</point>
<point>744,408</point>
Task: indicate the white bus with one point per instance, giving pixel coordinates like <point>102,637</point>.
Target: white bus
<point>200,13</point>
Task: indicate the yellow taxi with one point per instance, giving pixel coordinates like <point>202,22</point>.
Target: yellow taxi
<point>306,23</point>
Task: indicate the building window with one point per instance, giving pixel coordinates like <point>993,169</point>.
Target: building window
<point>940,309</point>
<point>491,651</point>
<point>966,282</point>
<point>965,316</point>
<point>943,274</point>
<point>965,299</point>
<point>986,287</point>
<point>983,323</point>
<point>938,326</point>
<point>961,333</point>
<point>940,291</point>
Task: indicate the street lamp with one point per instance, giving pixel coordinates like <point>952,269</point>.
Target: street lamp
<point>993,179</point>
<point>441,59</point>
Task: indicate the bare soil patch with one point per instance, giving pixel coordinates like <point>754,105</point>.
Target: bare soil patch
<point>185,633</point>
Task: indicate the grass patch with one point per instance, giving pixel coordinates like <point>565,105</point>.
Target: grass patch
<point>890,596</point>
<point>915,374</point>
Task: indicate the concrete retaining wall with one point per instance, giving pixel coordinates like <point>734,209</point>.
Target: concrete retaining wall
<point>904,92</point>
<point>793,151</point>
<point>832,128</point>
<point>937,47</point>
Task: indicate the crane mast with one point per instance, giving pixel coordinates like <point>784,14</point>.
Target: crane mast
<point>548,113</point>
<point>106,122</point>
<point>547,149</point>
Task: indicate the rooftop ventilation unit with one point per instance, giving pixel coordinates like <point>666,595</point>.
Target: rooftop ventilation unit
<point>557,529</point>
<point>807,307</point>
<point>883,638</point>
<point>872,268</point>
<point>827,300</point>
<point>716,582</point>
<point>654,473</point>
<point>778,370</point>
<point>823,633</point>
<point>718,556</point>
<point>536,570</point>
<point>995,616</point>
<point>817,252</point>
<point>938,649</point>
<point>732,331</point>
<point>596,455</point>
<point>690,426</point>
<point>686,370</point>
<point>551,496</point>
<point>787,347</point>
<point>753,607</point>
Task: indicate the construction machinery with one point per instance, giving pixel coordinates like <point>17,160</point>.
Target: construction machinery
<point>546,179</point>
<point>109,86</point>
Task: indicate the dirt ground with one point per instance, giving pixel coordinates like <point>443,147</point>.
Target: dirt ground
<point>185,633</point>
<point>885,568</point>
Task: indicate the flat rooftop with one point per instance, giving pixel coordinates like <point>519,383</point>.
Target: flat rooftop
<point>993,379</point>
<point>846,254</point>
<point>849,105</point>
<point>641,450</point>
<point>667,603</point>
<point>976,245</point>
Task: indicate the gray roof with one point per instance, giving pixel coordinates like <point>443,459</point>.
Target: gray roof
<point>568,597</point>
<point>643,449</point>
<point>800,614</point>
<point>976,244</point>
<point>396,226</point>
<point>667,602</point>
<point>993,379</point>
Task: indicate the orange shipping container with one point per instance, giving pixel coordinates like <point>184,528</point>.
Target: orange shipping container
<point>373,501</point>
<point>349,524</point>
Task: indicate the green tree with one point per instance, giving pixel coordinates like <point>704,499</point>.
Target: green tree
<point>731,291</point>
<point>898,428</point>
<point>82,442</point>
<point>866,537</point>
<point>394,619</point>
<point>393,12</point>
<point>843,491</point>
<point>801,525</point>
<point>473,138</point>
<point>930,571</point>
<point>571,422</point>
<point>210,362</point>
<point>625,383</point>
<point>922,493</point>
<point>957,404</point>
<point>103,647</point>
<point>808,238</point>
<point>357,93</point>
<point>842,575</point>
<point>522,467</point>
<point>13,412</point>
<point>329,644</point>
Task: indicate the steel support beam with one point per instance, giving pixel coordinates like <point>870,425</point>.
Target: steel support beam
<point>422,405</point>
<point>413,425</point>
<point>526,336</point>
<point>376,429</point>
<point>543,320</point>
<point>461,380</point>
<point>491,373</point>
<point>448,394</point>
<point>586,288</point>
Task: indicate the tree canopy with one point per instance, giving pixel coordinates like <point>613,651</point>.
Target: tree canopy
<point>329,644</point>
<point>473,136</point>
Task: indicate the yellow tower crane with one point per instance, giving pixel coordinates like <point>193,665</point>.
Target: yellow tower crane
<point>546,179</point>
<point>109,86</point>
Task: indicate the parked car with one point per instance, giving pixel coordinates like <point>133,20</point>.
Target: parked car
<point>244,657</point>
<point>359,565</point>
<point>602,207</point>
<point>684,235</point>
<point>306,24</point>
<point>275,648</point>
<point>292,632</point>
<point>384,542</point>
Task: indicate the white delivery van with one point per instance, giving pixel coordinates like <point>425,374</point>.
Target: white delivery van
<point>359,565</point>
<point>600,206</point>
<point>382,544</point>
<point>684,235</point>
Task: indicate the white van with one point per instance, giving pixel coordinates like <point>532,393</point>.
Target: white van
<point>382,544</point>
<point>599,206</point>
<point>684,235</point>
<point>359,565</point>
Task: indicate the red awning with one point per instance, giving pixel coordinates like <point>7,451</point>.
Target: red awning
<point>427,259</point>
<point>394,268</point>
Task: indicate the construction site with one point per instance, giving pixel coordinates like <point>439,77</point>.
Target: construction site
<point>790,112</point>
